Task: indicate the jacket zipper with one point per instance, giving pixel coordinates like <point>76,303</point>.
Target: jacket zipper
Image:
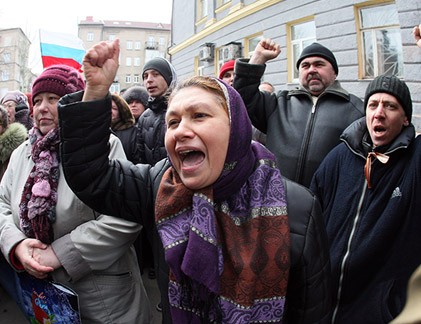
<point>348,251</point>
<point>303,155</point>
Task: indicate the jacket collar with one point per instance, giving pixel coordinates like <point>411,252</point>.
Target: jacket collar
<point>159,103</point>
<point>356,137</point>
<point>13,136</point>
<point>334,89</point>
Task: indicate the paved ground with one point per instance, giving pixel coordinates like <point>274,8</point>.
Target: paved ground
<point>11,314</point>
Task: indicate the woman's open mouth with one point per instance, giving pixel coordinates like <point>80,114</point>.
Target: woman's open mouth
<point>190,158</point>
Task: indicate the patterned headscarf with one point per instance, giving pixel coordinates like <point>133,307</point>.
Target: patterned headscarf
<point>227,245</point>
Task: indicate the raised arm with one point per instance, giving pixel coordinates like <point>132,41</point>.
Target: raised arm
<point>248,75</point>
<point>110,186</point>
<point>100,66</point>
<point>265,50</point>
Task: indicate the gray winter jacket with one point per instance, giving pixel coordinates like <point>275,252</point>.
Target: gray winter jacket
<point>96,253</point>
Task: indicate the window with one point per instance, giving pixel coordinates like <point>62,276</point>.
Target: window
<point>381,41</point>
<point>136,61</point>
<point>150,54</point>
<point>90,37</point>
<point>6,57</point>
<point>162,41</point>
<point>302,35</point>
<point>128,78</point>
<point>111,37</point>
<point>136,78</point>
<point>202,9</point>
<point>200,65</point>
<point>251,44</point>
<point>129,45</point>
<point>150,43</point>
<point>7,41</point>
<point>5,75</point>
<point>137,45</point>
<point>220,3</point>
<point>115,88</point>
<point>128,61</point>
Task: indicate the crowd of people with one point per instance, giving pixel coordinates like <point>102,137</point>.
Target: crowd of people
<point>312,222</point>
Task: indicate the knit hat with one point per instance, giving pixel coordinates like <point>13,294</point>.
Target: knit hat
<point>58,79</point>
<point>394,86</point>
<point>226,67</point>
<point>18,97</point>
<point>136,93</point>
<point>318,50</point>
<point>162,66</point>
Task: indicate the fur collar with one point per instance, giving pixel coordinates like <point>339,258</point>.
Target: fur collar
<point>14,135</point>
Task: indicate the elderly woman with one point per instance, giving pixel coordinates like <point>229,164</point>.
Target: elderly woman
<point>46,231</point>
<point>17,106</point>
<point>241,243</point>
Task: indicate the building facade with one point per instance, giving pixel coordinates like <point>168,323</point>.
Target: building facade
<point>368,38</point>
<point>139,42</point>
<point>14,51</point>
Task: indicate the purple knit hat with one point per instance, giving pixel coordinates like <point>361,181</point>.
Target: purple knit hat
<point>58,79</point>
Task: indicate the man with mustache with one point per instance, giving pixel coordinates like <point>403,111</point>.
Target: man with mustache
<point>304,124</point>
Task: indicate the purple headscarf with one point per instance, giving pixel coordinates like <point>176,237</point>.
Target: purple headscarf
<point>227,246</point>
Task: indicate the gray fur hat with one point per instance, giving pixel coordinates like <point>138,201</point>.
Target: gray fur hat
<point>136,93</point>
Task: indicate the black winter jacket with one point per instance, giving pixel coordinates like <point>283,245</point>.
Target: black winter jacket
<point>128,191</point>
<point>128,138</point>
<point>299,133</point>
<point>374,233</point>
<point>151,125</point>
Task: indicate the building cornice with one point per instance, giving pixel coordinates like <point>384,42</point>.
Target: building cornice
<point>234,15</point>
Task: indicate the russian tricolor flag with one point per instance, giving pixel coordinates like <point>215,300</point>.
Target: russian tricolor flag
<point>59,48</point>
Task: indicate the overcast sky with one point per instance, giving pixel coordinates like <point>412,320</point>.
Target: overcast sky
<point>63,16</point>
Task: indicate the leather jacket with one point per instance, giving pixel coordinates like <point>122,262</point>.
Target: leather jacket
<point>299,133</point>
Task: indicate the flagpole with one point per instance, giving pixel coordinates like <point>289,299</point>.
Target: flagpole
<point>40,48</point>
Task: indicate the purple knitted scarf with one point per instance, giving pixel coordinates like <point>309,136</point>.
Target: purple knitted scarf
<point>227,246</point>
<point>39,197</point>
